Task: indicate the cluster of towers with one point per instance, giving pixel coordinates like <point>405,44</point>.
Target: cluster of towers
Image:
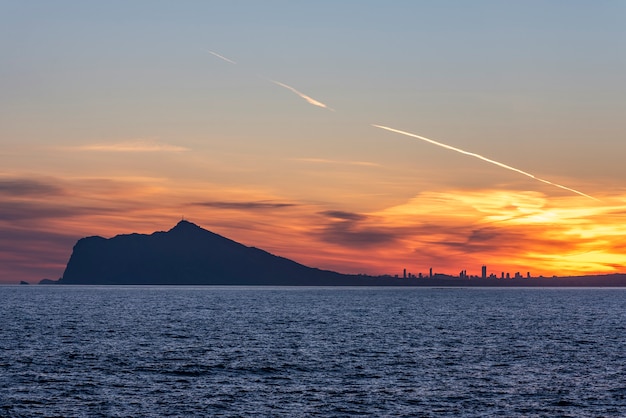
<point>408,275</point>
<point>463,275</point>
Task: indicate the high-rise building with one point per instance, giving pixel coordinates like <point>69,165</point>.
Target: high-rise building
<point>484,272</point>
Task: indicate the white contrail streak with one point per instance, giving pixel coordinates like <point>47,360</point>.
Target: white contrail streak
<point>480,157</point>
<point>309,99</point>
<point>220,56</point>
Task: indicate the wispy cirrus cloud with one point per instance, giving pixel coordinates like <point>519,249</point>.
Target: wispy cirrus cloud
<point>512,230</point>
<point>253,205</point>
<point>14,211</point>
<point>343,215</point>
<point>337,162</point>
<point>20,187</point>
<point>139,145</point>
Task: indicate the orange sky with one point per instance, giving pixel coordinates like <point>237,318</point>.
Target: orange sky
<point>452,230</point>
<point>117,119</point>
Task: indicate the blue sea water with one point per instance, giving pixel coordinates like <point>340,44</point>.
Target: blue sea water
<point>269,351</point>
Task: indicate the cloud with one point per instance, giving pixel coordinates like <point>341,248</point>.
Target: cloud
<point>32,254</point>
<point>348,216</point>
<point>338,162</point>
<point>17,187</point>
<point>510,231</point>
<point>33,199</point>
<point>349,229</point>
<point>348,234</point>
<point>484,235</point>
<point>475,241</point>
<point>254,205</point>
<point>13,211</point>
<point>132,146</point>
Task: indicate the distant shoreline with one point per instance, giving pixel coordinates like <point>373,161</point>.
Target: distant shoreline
<point>443,281</point>
<point>189,255</point>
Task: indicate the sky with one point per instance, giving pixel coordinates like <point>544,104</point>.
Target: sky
<point>256,120</point>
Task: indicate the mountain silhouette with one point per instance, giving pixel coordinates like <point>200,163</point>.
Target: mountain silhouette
<point>186,255</point>
<point>190,255</point>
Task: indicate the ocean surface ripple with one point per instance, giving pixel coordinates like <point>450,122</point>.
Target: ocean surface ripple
<point>268,351</point>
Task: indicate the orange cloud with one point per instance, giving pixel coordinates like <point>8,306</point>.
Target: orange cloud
<point>41,218</point>
<point>140,145</point>
<point>513,230</point>
<point>337,162</point>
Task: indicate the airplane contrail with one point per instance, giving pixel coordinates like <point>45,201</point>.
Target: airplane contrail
<point>480,157</point>
<point>220,56</point>
<point>309,99</point>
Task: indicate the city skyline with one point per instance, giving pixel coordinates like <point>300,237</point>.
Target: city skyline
<point>305,130</point>
<point>408,274</point>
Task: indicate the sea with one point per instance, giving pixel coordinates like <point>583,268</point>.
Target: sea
<point>90,351</point>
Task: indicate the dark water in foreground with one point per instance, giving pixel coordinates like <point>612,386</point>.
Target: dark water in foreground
<point>164,351</point>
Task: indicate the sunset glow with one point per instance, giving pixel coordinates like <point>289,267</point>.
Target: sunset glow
<point>119,124</point>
